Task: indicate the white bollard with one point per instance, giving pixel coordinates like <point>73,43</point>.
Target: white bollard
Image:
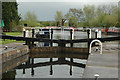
<point>96,76</point>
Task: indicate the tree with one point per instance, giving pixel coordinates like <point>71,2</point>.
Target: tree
<point>73,21</point>
<point>78,13</point>
<point>10,13</point>
<point>109,20</point>
<point>31,19</point>
<point>58,18</point>
<point>107,15</point>
<point>89,12</point>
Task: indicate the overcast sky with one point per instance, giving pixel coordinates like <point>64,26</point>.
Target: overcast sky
<point>45,10</point>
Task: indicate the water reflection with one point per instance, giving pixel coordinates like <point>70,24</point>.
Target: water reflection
<point>45,59</point>
<point>62,63</point>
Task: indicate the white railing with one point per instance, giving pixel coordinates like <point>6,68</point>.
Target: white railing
<point>95,41</point>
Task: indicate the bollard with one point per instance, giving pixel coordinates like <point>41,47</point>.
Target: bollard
<point>96,76</point>
<point>6,47</point>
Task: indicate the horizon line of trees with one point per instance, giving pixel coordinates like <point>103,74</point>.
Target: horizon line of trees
<point>90,16</point>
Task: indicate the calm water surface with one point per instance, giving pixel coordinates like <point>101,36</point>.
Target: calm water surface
<point>58,67</point>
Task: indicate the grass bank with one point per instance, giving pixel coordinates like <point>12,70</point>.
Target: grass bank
<point>6,41</point>
<point>13,33</point>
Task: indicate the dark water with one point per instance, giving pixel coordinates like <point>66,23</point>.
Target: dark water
<point>67,65</point>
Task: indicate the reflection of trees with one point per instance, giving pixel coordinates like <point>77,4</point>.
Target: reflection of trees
<point>10,75</point>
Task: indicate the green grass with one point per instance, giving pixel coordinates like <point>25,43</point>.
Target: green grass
<point>13,33</point>
<point>7,41</point>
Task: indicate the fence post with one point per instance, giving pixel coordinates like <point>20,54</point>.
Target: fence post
<point>89,36</point>
<point>24,35</point>
<point>51,70</point>
<point>71,37</point>
<point>71,60</point>
<point>99,34</point>
<point>23,69</point>
<point>96,33</point>
<point>32,68</point>
<point>51,37</point>
<point>33,33</point>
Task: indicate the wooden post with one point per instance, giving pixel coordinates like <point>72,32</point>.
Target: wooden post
<point>71,60</point>
<point>51,44</point>
<point>32,69</point>
<point>33,33</point>
<point>51,70</point>
<point>24,69</point>
<point>71,35</point>
<point>96,33</point>
<point>88,33</point>
<point>96,36</point>
<point>29,44</point>
<point>24,35</point>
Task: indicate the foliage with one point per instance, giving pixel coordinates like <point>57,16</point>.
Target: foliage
<point>73,20</point>
<point>13,33</point>
<point>92,16</point>
<point>10,14</point>
<point>58,18</point>
<point>7,41</point>
<point>31,19</point>
<point>12,25</point>
<point>89,13</point>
